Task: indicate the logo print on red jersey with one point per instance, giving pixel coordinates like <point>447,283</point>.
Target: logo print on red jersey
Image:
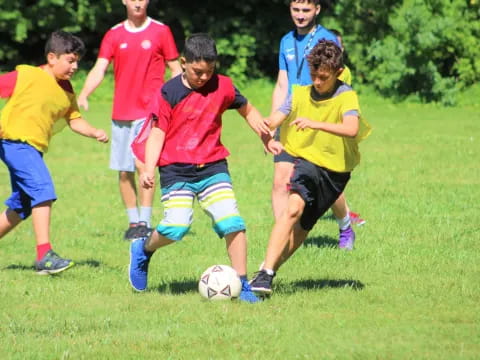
<point>146,44</point>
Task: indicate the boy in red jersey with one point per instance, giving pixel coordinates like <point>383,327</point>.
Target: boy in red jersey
<point>185,143</point>
<point>41,102</point>
<point>139,47</point>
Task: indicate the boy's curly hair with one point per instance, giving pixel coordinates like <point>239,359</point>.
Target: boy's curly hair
<point>326,54</point>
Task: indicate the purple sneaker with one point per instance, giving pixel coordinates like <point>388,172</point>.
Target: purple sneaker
<point>346,239</point>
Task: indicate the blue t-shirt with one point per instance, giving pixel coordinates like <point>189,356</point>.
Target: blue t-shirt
<point>287,57</point>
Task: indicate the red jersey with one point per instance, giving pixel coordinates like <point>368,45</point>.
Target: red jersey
<point>139,57</point>
<point>192,121</point>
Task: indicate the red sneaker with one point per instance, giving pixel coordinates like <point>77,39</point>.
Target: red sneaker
<point>356,219</point>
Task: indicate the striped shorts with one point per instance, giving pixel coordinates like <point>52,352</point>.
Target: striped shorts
<point>215,196</point>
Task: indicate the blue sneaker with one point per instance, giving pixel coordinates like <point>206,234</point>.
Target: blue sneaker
<point>139,260</point>
<point>247,294</point>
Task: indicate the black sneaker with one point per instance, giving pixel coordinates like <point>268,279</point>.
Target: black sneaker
<point>137,230</point>
<point>129,234</point>
<point>51,263</point>
<point>262,282</point>
<point>142,230</point>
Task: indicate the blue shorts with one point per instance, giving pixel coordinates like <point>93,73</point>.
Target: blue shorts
<point>215,196</point>
<point>123,134</point>
<point>29,177</point>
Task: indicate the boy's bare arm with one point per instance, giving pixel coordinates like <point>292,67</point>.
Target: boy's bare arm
<point>280,91</point>
<point>348,127</point>
<point>254,119</point>
<point>153,149</point>
<point>94,78</point>
<point>275,119</point>
<point>261,128</point>
<point>83,127</point>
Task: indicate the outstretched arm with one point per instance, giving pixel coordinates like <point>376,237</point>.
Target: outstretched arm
<point>260,126</point>
<point>153,149</point>
<point>83,127</point>
<point>94,78</point>
<point>348,127</point>
<point>254,119</point>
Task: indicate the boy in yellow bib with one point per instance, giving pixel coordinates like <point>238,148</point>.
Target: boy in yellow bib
<point>40,103</point>
<point>321,129</point>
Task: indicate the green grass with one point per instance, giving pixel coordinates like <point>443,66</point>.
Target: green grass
<point>410,290</point>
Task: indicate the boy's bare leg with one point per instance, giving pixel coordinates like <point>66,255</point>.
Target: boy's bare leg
<point>41,214</point>
<point>340,208</point>
<point>281,232</point>
<point>128,190</point>
<point>156,241</point>
<point>281,177</point>
<point>8,220</point>
<point>297,238</point>
<point>237,251</point>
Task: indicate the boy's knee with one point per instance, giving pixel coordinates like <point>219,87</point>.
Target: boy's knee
<point>229,225</point>
<point>175,233</point>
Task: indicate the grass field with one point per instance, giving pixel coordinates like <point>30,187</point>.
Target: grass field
<point>410,290</point>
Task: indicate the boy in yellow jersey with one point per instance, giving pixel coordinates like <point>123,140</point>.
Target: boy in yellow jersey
<point>322,129</point>
<point>40,102</point>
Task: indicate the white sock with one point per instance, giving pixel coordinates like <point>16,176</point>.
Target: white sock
<point>132,215</point>
<point>146,214</point>
<point>344,223</point>
<point>269,272</point>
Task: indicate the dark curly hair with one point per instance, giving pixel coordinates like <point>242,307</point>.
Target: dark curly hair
<point>325,54</point>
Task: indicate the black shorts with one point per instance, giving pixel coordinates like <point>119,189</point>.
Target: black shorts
<point>179,172</point>
<point>318,187</point>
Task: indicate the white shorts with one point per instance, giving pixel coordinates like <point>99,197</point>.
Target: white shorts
<point>123,134</point>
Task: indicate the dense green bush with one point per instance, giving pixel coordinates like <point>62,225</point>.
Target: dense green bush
<point>427,49</point>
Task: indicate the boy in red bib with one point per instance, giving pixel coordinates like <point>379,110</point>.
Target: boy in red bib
<point>185,143</point>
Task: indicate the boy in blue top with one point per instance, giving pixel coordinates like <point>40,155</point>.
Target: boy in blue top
<point>321,132</point>
<point>293,70</point>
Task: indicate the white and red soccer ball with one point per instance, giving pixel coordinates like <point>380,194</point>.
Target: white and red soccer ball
<point>219,282</point>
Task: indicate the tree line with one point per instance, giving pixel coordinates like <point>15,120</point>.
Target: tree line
<point>427,49</point>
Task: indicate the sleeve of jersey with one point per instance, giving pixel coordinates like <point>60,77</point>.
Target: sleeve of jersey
<point>7,84</point>
<point>163,114</point>
<point>169,46</point>
<point>349,103</point>
<point>106,47</point>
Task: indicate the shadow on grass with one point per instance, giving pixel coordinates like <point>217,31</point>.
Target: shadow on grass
<point>321,242</point>
<point>177,287</point>
<point>89,262</point>
<point>317,284</point>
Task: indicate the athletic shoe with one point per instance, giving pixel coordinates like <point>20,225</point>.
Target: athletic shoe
<point>346,239</point>
<point>142,230</point>
<point>262,282</point>
<point>247,294</point>
<point>131,232</point>
<point>356,219</point>
<point>138,268</point>
<point>51,263</point>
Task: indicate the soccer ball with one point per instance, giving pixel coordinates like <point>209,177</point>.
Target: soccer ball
<point>219,282</point>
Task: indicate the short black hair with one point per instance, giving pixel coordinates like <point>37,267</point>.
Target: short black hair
<point>200,47</point>
<point>61,42</point>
